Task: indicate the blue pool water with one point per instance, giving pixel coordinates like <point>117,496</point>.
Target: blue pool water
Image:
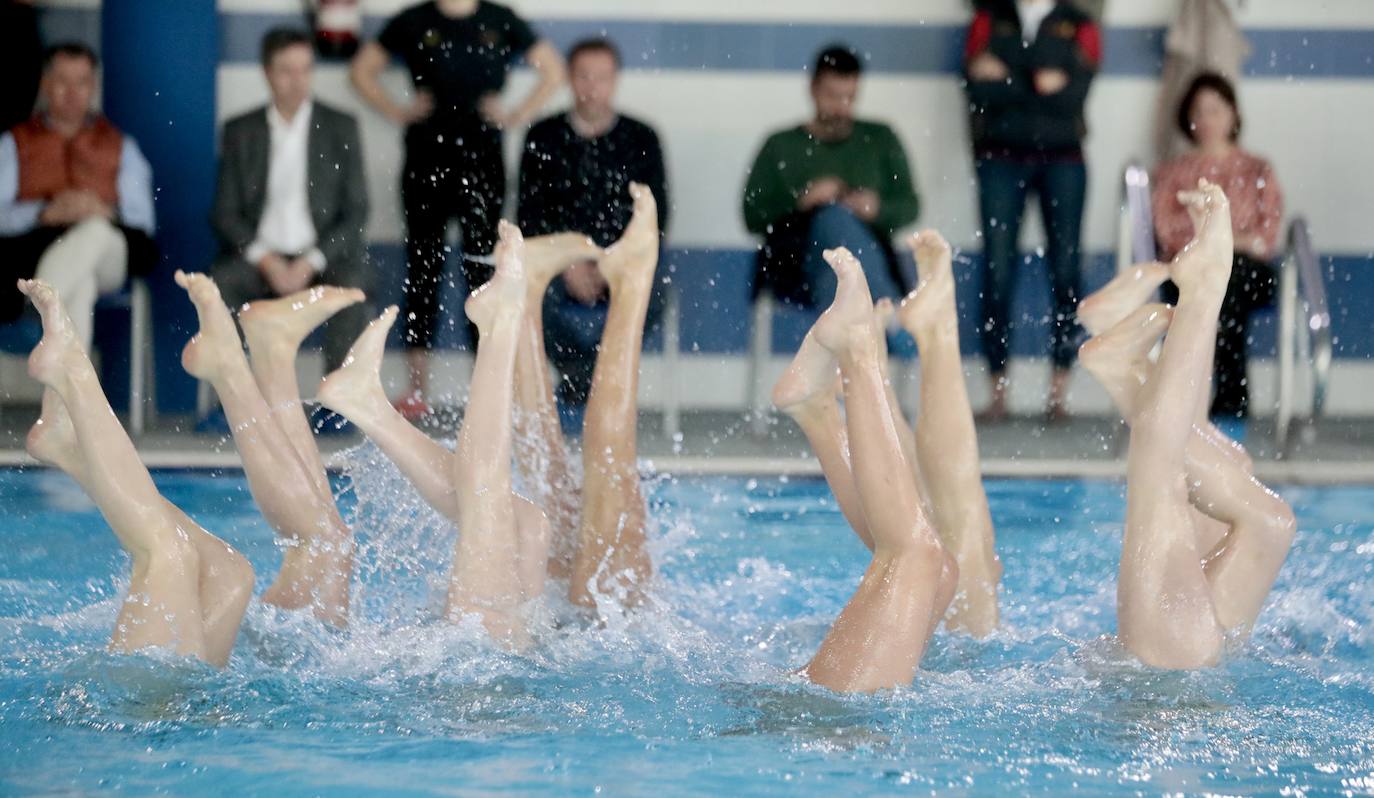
<point>693,695</point>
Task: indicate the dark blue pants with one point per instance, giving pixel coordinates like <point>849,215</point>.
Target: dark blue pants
<point>836,226</point>
<point>572,334</point>
<point>1003,185</point>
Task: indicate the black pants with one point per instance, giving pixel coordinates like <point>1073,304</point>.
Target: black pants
<point>240,281</point>
<point>1003,185</point>
<point>1253,286</point>
<point>451,170</point>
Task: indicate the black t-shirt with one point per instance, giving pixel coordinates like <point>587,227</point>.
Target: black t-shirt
<point>571,183</point>
<point>458,59</point>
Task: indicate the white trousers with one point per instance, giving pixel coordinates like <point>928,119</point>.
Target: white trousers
<point>90,259</point>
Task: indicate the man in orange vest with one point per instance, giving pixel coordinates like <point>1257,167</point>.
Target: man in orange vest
<point>76,196</point>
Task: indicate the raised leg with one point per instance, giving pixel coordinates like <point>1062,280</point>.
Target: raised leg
<point>274,330</point>
<point>947,442</point>
<point>79,431</point>
<point>541,453</point>
<point>486,576</point>
<point>806,393</point>
<point>1165,612</point>
<point>879,638</point>
<point>611,557</point>
<point>317,565</point>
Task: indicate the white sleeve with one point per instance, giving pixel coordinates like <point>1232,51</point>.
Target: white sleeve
<point>16,216</point>
<point>135,187</point>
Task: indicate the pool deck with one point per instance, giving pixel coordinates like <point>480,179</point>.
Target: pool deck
<point>1334,450</point>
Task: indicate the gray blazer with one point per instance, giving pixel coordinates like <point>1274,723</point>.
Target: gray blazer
<point>337,186</point>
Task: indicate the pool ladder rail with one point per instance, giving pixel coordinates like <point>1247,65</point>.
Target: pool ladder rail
<point>1305,342</point>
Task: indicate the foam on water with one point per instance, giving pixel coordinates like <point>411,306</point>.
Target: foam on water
<point>695,692</point>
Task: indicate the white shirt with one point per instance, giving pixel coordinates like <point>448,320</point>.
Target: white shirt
<point>1032,12</point>
<point>286,226</point>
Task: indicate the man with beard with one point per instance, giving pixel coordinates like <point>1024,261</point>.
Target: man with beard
<point>835,181</point>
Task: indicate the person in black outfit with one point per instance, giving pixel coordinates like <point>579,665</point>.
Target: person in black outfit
<point>459,53</point>
<point>1029,64</point>
<point>21,61</point>
<point>575,175</point>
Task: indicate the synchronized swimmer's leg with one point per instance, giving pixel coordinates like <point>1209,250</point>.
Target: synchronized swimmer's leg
<point>317,566</point>
<point>541,453</point>
<point>487,562</point>
<point>879,638</point>
<point>189,590</point>
<point>947,442</point>
<point>1244,530</point>
<point>1165,610</point>
<point>611,557</point>
<point>274,329</point>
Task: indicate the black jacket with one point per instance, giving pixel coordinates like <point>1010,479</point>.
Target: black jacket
<point>1008,117</point>
<point>337,184</point>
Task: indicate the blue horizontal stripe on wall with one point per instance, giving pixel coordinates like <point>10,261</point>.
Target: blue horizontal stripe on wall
<point>894,49</point>
<point>713,286</point>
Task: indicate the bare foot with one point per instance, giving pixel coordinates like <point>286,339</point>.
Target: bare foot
<point>354,390</point>
<point>52,361</point>
<point>850,316</point>
<point>810,376</point>
<point>548,256</point>
<point>1204,266</point>
<point>1121,296</point>
<point>52,439</point>
<point>503,296</point>
<point>930,308</point>
<point>216,346</point>
<point>275,328</point>
<point>1122,353</point>
<point>635,255</point>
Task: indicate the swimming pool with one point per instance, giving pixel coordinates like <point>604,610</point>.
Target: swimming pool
<point>692,696</point>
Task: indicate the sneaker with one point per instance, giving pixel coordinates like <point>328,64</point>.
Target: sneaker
<point>412,407</point>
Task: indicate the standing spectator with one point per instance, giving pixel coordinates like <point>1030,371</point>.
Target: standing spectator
<point>575,175</point>
<point>1029,64</point>
<point>76,196</point>
<point>459,53</point>
<point>833,181</point>
<point>291,201</point>
<point>1210,118</point>
<point>21,61</point>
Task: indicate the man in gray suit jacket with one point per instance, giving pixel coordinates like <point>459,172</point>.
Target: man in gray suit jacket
<point>291,203</point>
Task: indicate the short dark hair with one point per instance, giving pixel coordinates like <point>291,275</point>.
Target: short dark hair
<point>596,44</point>
<point>837,59</point>
<point>278,39</point>
<point>1204,82</point>
<point>71,49</point>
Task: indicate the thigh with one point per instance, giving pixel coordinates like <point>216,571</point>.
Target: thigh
<point>1002,189</point>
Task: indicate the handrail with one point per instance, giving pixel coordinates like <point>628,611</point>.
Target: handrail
<point>1304,317</point>
<point>1304,327</point>
<point>1138,215</point>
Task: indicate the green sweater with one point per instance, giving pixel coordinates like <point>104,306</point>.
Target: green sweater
<point>871,157</point>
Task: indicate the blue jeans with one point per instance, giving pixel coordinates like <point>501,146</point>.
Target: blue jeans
<point>836,226</point>
<point>572,334</point>
<point>1002,188</point>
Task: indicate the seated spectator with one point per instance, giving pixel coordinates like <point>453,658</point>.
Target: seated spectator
<point>575,176</point>
<point>291,202</point>
<point>76,196</point>
<point>1210,118</point>
<point>1029,65</point>
<point>21,61</point>
<point>835,181</point>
